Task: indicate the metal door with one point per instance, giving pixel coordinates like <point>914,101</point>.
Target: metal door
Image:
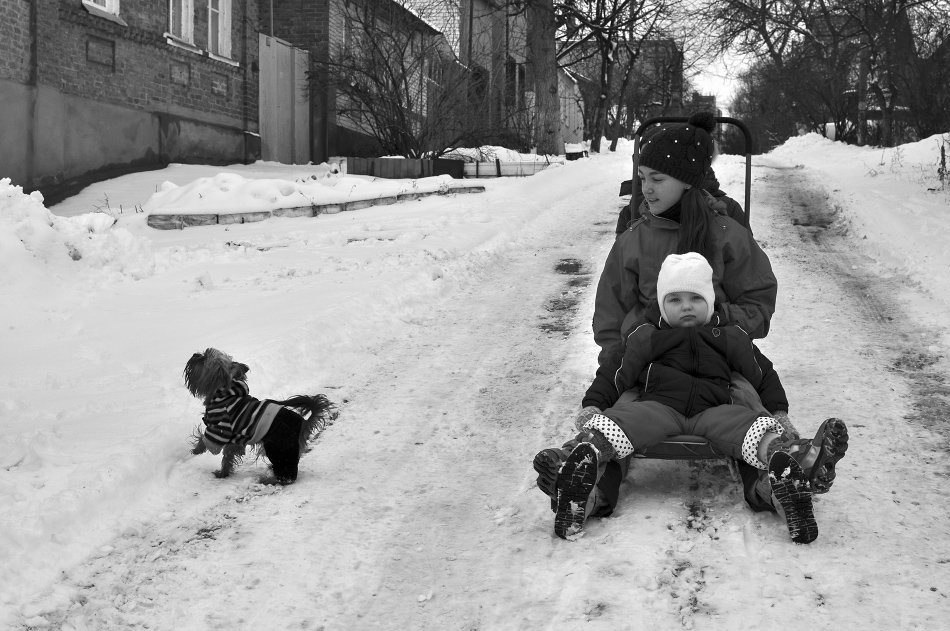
<point>284,102</point>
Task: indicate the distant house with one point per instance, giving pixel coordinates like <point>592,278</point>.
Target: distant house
<point>655,84</point>
<point>330,29</point>
<point>95,88</point>
<point>572,108</point>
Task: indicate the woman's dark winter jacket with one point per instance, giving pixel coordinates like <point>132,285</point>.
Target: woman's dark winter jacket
<point>743,281</point>
<point>688,369</point>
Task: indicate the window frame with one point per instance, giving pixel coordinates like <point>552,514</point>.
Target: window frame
<point>109,6</point>
<point>186,21</point>
<point>223,13</point>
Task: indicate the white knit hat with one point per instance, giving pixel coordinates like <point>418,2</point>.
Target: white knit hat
<point>686,272</point>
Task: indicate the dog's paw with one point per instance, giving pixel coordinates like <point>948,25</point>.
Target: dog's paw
<point>221,473</point>
<point>275,480</point>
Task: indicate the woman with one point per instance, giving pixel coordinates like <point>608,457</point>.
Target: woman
<point>676,217</point>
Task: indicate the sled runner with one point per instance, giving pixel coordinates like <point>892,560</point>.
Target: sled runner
<point>687,447</point>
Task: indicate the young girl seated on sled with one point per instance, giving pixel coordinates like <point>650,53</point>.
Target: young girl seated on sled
<point>683,369</point>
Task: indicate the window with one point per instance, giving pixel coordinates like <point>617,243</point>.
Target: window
<point>181,22</point>
<point>219,27</point>
<point>105,9</point>
<point>109,6</point>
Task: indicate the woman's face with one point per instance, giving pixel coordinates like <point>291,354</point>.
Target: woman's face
<point>659,189</point>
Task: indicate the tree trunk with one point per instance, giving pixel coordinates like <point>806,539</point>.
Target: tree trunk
<point>542,65</point>
<point>864,69</point>
<point>600,109</point>
<point>622,112</point>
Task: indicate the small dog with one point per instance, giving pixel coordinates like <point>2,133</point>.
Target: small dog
<point>281,430</point>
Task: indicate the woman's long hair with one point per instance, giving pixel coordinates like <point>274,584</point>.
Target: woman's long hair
<point>696,233</point>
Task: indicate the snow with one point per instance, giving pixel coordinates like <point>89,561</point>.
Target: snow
<point>455,350</point>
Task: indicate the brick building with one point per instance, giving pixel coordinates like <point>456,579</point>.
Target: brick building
<point>91,89</point>
<point>325,30</point>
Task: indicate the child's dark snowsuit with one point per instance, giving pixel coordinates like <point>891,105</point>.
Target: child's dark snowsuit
<point>684,376</point>
<point>688,371</point>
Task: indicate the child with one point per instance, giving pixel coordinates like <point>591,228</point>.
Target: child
<point>683,369</point>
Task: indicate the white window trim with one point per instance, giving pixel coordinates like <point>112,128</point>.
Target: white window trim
<point>172,40</point>
<point>226,60</point>
<point>187,22</point>
<point>109,6</point>
<point>105,9</point>
<point>224,30</point>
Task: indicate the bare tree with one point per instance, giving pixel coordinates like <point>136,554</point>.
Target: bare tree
<point>395,79</point>
<point>924,79</point>
<point>542,67</point>
<point>602,41</point>
<point>869,51</point>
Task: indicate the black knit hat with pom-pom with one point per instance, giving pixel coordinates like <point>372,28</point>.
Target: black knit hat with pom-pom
<point>680,150</point>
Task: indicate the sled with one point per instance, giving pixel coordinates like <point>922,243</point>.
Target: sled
<point>632,186</point>
<point>688,447</point>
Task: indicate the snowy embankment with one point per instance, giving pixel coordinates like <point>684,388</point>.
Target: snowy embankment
<point>456,348</point>
<point>102,317</point>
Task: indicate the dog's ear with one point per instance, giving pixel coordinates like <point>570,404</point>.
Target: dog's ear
<point>192,373</point>
<point>239,371</point>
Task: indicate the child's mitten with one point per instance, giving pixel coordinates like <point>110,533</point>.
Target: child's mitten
<point>790,432</point>
<point>585,415</point>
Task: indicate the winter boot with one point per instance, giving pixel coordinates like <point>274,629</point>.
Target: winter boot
<point>576,491</point>
<point>548,462</point>
<point>817,457</point>
<point>790,488</point>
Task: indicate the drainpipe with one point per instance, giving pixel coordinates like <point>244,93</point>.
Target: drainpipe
<point>33,83</point>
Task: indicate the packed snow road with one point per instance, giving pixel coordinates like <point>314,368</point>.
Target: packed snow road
<point>417,508</point>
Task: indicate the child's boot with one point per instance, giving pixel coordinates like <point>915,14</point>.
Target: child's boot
<point>548,462</point>
<point>576,491</point>
<point>790,487</point>
<point>817,457</point>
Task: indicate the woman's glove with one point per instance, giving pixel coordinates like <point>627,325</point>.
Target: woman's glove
<point>585,415</point>
<point>786,423</point>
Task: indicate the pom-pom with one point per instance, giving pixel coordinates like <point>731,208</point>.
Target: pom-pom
<point>703,120</point>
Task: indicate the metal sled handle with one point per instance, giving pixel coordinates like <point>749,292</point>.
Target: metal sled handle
<point>749,149</point>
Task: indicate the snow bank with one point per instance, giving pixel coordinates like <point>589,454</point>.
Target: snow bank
<point>917,161</point>
<point>229,192</point>
<point>35,242</point>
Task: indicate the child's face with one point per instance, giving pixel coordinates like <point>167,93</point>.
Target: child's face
<point>659,189</point>
<point>685,309</point>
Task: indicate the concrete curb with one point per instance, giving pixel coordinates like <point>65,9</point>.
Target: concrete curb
<point>172,221</point>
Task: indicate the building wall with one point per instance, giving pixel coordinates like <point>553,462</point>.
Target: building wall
<point>94,98</point>
<point>313,25</point>
<point>16,47</point>
<point>572,115</point>
<point>318,26</point>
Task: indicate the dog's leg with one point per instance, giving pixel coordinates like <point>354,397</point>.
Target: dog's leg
<point>197,443</point>
<point>231,455</point>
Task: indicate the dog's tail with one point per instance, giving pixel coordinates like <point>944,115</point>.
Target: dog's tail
<point>317,412</point>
